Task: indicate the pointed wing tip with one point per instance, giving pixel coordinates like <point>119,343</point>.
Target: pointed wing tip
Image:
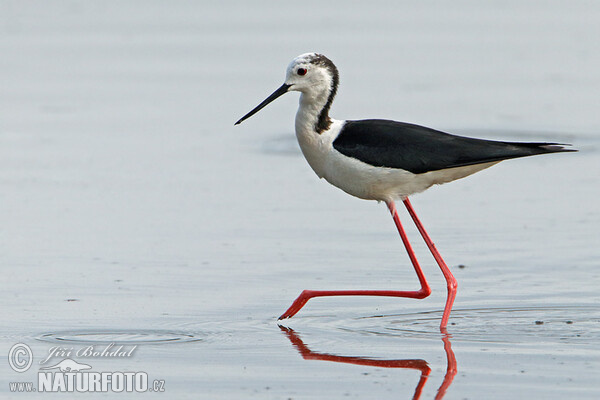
<point>558,147</point>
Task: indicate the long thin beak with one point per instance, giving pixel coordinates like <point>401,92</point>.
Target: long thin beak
<point>281,91</point>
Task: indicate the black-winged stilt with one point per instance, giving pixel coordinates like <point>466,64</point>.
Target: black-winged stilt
<point>383,160</point>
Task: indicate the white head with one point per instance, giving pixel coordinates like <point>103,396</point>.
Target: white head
<point>316,77</point>
<point>312,74</point>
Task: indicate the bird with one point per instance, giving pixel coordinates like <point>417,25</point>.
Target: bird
<point>384,160</point>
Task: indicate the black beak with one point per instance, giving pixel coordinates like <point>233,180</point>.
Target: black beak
<point>281,91</point>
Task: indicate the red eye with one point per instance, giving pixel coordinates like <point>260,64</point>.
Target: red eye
<point>301,71</point>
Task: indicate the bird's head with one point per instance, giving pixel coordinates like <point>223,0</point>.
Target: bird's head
<point>312,74</point>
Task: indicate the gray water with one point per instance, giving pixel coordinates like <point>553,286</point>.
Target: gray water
<point>133,212</point>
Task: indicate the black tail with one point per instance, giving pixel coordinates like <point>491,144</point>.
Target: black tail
<point>531,149</point>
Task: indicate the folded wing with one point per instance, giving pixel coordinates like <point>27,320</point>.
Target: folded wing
<point>414,148</point>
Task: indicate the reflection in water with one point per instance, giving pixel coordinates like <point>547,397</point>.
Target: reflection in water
<point>420,365</point>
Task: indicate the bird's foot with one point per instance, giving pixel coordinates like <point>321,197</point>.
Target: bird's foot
<point>297,304</point>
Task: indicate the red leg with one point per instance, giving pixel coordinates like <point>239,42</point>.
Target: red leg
<point>450,280</point>
<point>419,294</point>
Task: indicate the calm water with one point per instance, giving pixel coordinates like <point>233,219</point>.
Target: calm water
<point>133,211</point>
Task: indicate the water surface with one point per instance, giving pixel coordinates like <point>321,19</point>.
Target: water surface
<point>133,211</point>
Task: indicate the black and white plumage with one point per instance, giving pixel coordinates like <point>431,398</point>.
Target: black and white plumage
<point>383,160</point>
<point>417,149</point>
<point>380,159</point>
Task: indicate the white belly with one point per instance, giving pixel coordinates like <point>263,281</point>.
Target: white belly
<point>387,184</point>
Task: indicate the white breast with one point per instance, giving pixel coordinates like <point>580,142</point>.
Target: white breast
<point>351,175</point>
<point>316,147</point>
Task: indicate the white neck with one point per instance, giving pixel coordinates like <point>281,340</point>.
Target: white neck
<point>311,105</point>
<point>314,145</point>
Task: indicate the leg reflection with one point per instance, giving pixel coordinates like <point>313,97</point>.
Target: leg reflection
<point>451,368</point>
<point>417,364</point>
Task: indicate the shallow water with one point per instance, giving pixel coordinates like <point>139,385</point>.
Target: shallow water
<point>134,213</point>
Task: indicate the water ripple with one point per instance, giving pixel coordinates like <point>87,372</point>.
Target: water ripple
<point>579,324</point>
<point>145,336</point>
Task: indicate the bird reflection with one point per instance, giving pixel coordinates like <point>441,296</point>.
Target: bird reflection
<point>417,364</point>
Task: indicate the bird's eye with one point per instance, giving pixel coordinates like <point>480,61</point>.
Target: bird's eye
<point>301,71</point>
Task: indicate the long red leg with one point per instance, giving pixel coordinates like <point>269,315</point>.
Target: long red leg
<point>418,294</point>
<point>450,280</point>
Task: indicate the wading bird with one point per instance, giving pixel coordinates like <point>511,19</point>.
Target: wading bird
<point>383,160</point>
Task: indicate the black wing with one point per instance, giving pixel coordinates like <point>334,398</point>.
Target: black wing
<point>418,149</point>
